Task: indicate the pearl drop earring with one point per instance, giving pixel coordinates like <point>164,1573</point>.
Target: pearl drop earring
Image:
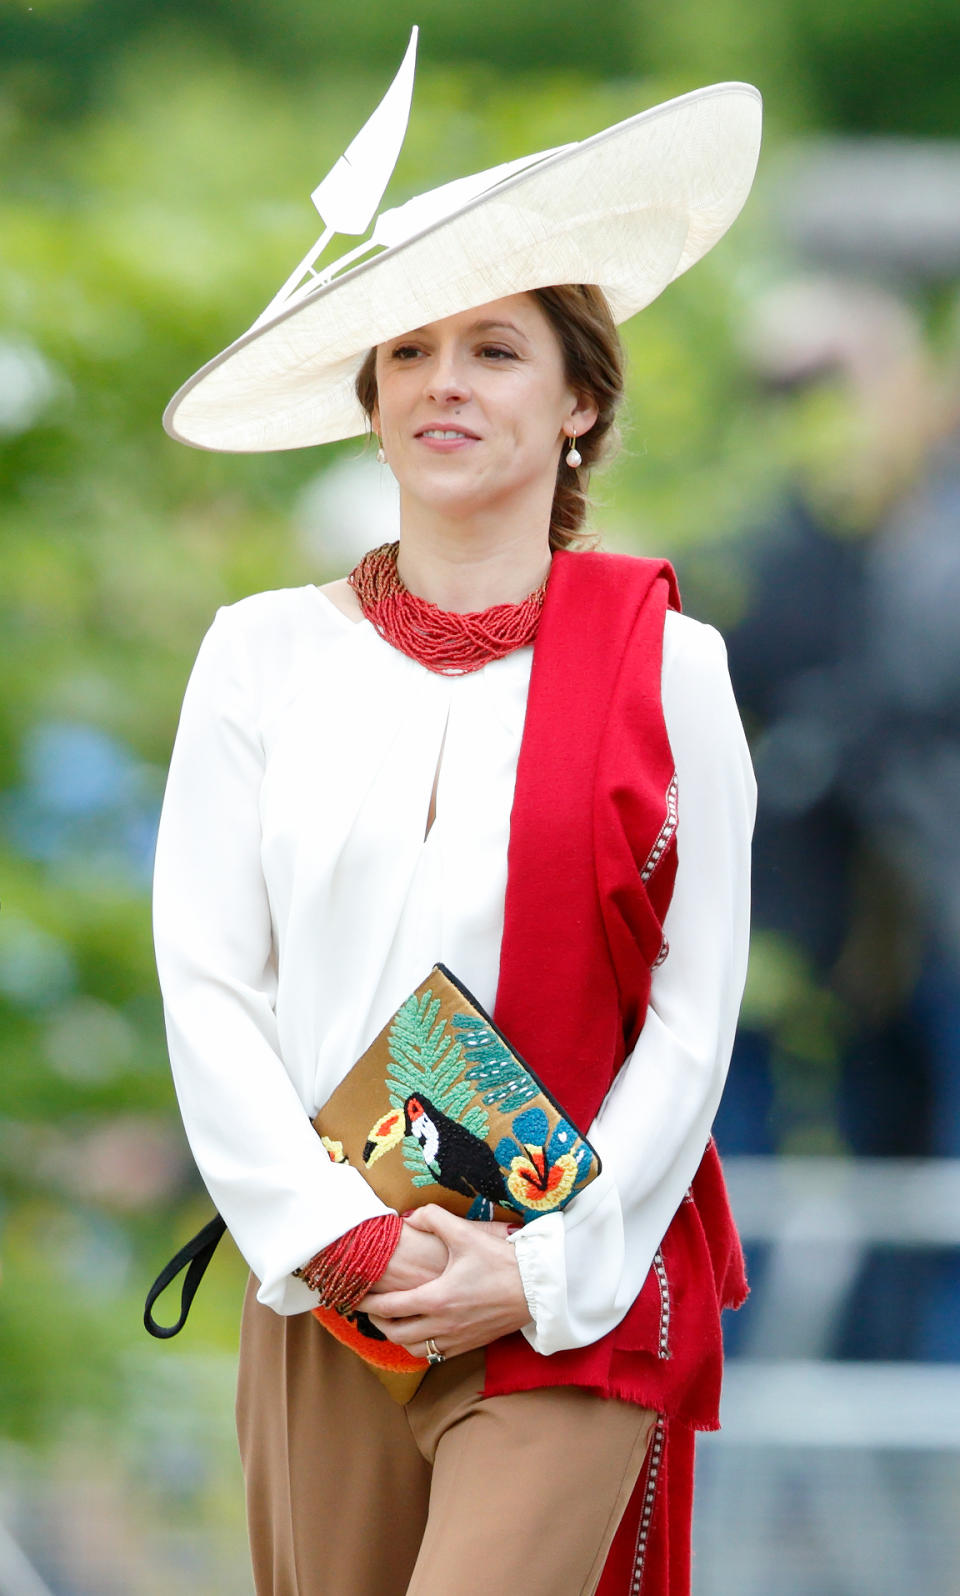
<point>381,457</point>
<point>573,456</point>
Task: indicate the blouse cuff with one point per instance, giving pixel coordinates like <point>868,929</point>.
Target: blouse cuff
<point>539,1250</point>
<point>587,1235</point>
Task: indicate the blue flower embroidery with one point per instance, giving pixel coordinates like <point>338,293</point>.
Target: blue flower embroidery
<point>542,1170</point>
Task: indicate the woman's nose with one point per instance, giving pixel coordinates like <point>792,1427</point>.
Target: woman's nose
<point>446,381</point>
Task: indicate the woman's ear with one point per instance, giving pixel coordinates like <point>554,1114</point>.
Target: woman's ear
<point>582,417</point>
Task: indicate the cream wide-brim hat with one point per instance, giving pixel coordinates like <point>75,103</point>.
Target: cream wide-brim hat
<point>629,210</point>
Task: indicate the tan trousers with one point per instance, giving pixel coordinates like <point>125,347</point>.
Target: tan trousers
<point>349,1494</point>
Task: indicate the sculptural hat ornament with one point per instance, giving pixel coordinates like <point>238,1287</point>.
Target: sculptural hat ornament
<point>629,209</point>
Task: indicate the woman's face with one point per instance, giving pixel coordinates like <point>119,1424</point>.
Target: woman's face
<point>473,410</point>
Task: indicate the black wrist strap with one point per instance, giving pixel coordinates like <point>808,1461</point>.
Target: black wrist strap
<point>194,1257</point>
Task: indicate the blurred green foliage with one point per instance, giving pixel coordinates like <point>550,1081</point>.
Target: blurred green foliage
<point>159,156</point>
<point>871,65</point>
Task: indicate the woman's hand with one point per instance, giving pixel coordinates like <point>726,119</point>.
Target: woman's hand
<point>477,1297</point>
<point>417,1258</point>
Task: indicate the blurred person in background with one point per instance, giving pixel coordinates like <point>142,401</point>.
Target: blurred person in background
<point>845,662</point>
<point>902,775</point>
<point>350,765</point>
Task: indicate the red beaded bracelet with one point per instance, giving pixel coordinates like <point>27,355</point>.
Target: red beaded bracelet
<point>343,1271</point>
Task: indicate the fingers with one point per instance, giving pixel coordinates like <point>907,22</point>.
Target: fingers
<point>409,1333</point>
<point>397,1304</point>
<point>449,1227</point>
<point>413,1334</point>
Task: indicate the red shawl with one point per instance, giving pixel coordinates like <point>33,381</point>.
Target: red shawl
<point>591,866</point>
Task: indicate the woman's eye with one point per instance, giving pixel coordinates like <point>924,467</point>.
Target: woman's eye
<point>405,352</point>
<point>497,352</point>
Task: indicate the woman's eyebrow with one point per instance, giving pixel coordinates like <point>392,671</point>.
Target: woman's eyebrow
<point>503,326</point>
<point>475,327</point>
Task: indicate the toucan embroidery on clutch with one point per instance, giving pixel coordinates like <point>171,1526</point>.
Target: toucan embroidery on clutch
<point>465,1112</point>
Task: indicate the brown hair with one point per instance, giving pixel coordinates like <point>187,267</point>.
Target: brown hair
<point>593,366</point>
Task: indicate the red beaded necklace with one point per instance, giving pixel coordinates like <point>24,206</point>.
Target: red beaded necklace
<point>443,640</point>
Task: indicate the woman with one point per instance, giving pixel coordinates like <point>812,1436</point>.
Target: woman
<point>357,767</point>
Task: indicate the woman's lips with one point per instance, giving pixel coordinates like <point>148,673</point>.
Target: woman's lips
<point>444,440</point>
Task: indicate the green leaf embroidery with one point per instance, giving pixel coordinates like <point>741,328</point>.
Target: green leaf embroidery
<point>413,1157</point>
<point>502,1082</point>
<point>477,1121</point>
<point>426,1060</point>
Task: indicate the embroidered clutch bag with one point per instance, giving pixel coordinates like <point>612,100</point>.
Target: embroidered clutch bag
<point>440,1109</point>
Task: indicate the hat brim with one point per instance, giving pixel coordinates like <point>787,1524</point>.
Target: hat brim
<point>628,210</point>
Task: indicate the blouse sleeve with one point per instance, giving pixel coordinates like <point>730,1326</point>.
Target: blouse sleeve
<point>250,1134</point>
<point>582,1269</point>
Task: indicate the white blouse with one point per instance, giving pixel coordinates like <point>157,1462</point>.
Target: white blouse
<point>299,898</point>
